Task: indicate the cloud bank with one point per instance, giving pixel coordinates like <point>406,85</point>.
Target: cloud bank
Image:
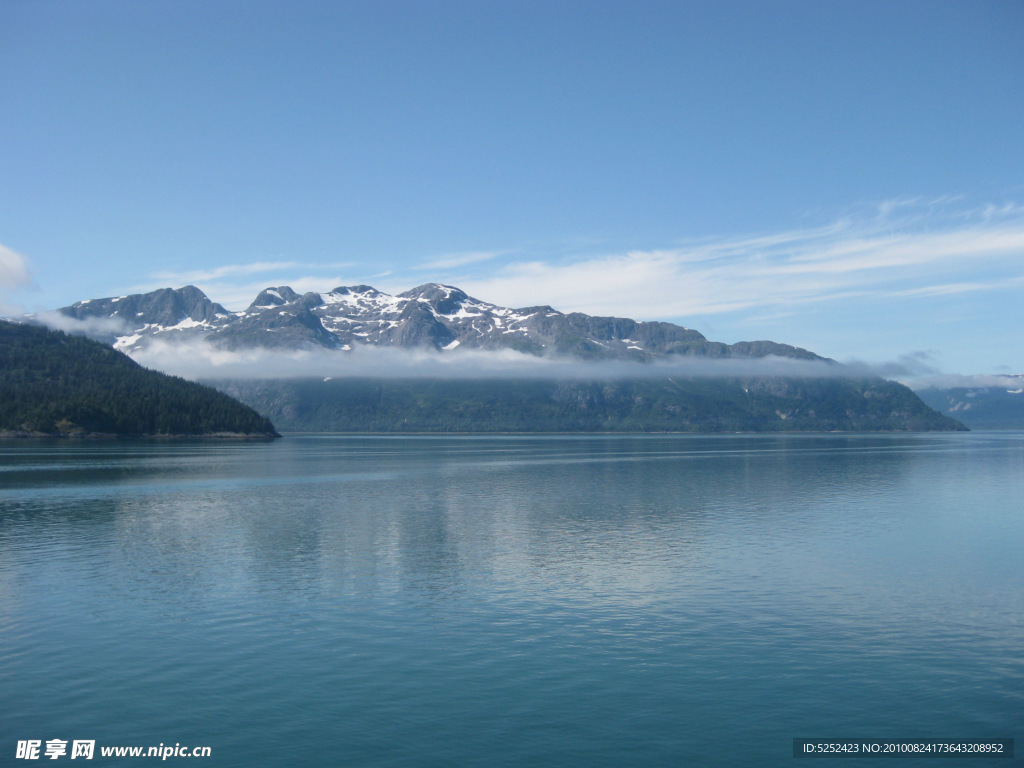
<point>204,361</point>
<point>952,381</point>
<point>100,328</point>
<point>910,366</point>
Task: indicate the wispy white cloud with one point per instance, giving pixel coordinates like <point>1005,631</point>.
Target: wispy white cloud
<point>997,211</point>
<point>948,289</point>
<point>219,273</point>
<point>453,260</point>
<point>899,251</point>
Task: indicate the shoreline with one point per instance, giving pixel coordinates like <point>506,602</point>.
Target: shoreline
<point>30,435</point>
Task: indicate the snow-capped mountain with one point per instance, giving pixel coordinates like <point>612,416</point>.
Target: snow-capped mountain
<point>431,316</point>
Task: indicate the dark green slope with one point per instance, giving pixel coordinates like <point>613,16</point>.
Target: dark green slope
<point>648,405</point>
<point>54,384</point>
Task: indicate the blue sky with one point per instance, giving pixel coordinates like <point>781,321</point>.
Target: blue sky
<point>846,177</point>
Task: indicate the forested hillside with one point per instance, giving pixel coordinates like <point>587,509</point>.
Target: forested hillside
<point>55,384</point>
<point>646,405</point>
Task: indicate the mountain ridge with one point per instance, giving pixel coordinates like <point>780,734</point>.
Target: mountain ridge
<point>430,316</point>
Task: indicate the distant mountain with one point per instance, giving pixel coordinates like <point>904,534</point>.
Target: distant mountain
<point>995,402</point>
<point>443,319</point>
<point>432,316</point>
<point>766,404</point>
<point>60,385</point>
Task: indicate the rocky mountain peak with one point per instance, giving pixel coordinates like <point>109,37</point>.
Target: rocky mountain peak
<point>445,299</point>
<point>274,297</point>
<point>164,307</point>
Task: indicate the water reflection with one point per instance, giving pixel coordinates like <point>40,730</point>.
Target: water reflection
<point>621,516</point>
<point>578,600</point>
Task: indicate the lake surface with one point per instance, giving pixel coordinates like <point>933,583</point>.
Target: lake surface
<point>512,601</point>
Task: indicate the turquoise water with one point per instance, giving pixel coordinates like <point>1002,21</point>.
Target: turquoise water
<point>512,601</point>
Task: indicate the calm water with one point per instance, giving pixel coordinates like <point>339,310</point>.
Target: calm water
<point>512,601</point>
